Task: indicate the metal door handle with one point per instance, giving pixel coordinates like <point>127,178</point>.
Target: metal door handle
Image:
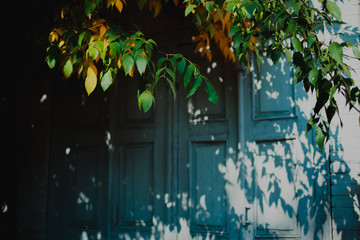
<point>246,222</point>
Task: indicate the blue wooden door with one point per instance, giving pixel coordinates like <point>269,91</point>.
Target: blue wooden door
<point>207,144</point>
<point>77,200</point>
<point>138,168</point>
<point>168,173</point>
<point>284,175</point>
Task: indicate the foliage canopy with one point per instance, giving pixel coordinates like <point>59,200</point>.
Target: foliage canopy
<point>93,49</point>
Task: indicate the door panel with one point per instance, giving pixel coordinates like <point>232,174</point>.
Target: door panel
<point>277,204</point>
<point>271,141</point>
<point>83,199</point>
<point>138,184</point>
<point>273,90</point>
<point>138,179</point>
<point>207,186</point>
<point>78,166</point>
<point>207,141</point>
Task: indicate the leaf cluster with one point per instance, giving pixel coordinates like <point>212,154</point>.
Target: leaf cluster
<point>87,46</point>
<point>99,53</point>
<point>289,29</point>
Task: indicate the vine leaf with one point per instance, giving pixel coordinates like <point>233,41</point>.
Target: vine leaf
<point>319,136</point>
<point>145,100</point>
<point>334,9</point>
<point>194,86</point>
<point>211,92</point>
<point>68,68</point>
<point>336,52</point>
<point>106,80</point>
<point>313,76</point>
<point>141,63</point>
<point>127,63</point>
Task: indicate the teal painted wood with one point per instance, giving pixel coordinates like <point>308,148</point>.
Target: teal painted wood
<point>138,185</point>
<point>78,166</point>
<point>207,142</point>
<point>279,179</point>
<point>188,169</point>
<point>166,181</point>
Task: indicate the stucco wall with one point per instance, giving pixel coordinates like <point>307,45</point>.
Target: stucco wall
<point>345,147</point>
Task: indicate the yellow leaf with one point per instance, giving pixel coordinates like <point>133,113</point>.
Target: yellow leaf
<point>91,79</point>
<point>119,5</point>
<point>53,36</point>
<point>110,3</point>
<point>61,43</point>
<point>102,31</point>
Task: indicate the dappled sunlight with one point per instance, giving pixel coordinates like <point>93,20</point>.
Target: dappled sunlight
<point>188,169</point>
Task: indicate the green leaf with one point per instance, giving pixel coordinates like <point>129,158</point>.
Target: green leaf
<point>250,7</point>
<point>93,53</point>
<point>141,63</point>
<point>334,9</point>
<point>157,74</point>
<point>171,73</point>
<point>188,74</point>
<point>189,9</point>
<point>209,6</point>
<point>128,63</point>
<point>288,55</point>
<point>319,136</point>
<point>275,56</point>
<point>296,44</point>
<point>68,68</point>
<point>106,80</point>
<point>233,30</point>
<point>89,6</point>
<point>311,39</point>
<point>356,51</point>
<point>141,3</point>
<point>172,86</point>
<point>145,100</point>
<point>336,52</point>
<point>181,66</point>
<point>313,76</point>
<point>80,38</point>
<point>51,62</point>
<point>194,87</point>
<point>212,95</point>
<point>115,48</point>
<point>237,40</point>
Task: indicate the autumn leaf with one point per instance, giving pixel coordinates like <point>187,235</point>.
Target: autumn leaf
<point>155,6</point>
<point>91,79</point>
<point>119,5</point>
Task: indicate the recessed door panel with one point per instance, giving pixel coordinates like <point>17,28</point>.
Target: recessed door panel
<point>277,203</point>
<point>138,184</point>
<point>208,186</point>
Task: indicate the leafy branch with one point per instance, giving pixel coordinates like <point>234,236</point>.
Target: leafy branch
<point>85,45</point>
